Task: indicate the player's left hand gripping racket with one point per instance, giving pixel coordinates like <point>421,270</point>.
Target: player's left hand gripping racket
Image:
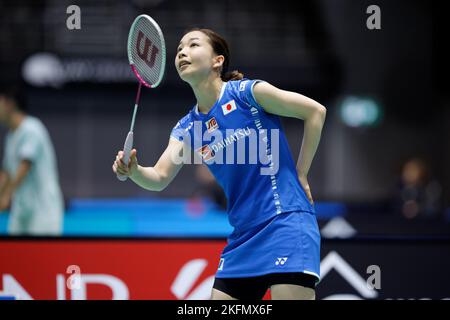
<point>147,57</point>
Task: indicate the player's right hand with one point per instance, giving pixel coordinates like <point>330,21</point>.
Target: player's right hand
<point>119,167</point>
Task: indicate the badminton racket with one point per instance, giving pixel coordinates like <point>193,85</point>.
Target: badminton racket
<point>146,50</point>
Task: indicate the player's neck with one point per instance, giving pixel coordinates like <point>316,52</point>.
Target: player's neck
<point>15,120</point>
<point>207,92</point>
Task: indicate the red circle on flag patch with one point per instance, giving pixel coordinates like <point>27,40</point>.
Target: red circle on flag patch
<point>228,106</point>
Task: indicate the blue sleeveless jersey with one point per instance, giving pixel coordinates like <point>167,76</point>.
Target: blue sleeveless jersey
<point>246,150</point>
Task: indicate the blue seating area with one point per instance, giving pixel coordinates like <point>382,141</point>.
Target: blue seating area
<point>142,217</point>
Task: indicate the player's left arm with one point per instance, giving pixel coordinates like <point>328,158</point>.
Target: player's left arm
<point>292,104</point>
<point>14,182</point>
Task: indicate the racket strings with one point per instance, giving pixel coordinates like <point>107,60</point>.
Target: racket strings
<point>147,51</point>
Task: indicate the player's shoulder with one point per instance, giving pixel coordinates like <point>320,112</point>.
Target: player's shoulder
<point>32,125</point>
<point>240,85</point>
<point>242,90</point>
<point>184,121</point>
<point>182,127</point>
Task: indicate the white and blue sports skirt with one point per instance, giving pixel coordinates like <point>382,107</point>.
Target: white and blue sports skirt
<point>288,242</point>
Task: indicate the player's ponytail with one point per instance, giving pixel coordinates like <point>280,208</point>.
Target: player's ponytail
<point>232,75</point>
<point>220,47</point>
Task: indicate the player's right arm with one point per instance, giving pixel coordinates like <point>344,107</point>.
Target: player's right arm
<point>155,178</point>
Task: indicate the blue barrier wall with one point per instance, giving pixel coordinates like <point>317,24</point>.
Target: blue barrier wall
<point>136,217</point>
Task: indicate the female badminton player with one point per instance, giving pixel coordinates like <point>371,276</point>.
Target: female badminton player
<point>276,241</point>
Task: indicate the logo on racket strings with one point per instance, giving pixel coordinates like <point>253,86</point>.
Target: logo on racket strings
<point>149,59</point>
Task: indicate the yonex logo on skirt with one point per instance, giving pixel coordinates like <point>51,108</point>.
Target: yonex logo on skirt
<point>281,261</point>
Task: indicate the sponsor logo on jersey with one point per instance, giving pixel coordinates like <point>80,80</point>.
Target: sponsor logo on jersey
<point>232,138</point>
<point>206,152</point>
<point>211,124</point>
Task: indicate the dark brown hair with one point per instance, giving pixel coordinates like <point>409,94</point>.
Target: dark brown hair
<point>220,47</point>
<point>15,93</point>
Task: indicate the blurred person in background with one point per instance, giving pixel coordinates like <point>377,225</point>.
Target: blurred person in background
<point>29,183</point>
<point>419,193</point>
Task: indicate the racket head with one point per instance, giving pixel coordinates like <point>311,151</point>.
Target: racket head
<point>147,51</point>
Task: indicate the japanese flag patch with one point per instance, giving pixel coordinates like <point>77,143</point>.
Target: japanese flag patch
<point>228,107</point>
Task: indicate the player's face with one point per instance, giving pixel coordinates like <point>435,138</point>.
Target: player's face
<point>195,58</point>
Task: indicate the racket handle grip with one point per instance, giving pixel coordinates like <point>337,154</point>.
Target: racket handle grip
<point>126,153</point>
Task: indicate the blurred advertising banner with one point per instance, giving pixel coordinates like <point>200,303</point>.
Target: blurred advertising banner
<point>45,69</point>
<point>109,269</point>
<point>385,268</point>
<point>78,269</point>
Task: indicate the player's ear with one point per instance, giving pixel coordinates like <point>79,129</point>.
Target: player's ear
<point>218,61</point>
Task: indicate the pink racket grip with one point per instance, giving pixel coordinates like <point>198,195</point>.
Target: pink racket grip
<point>126,153</point>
